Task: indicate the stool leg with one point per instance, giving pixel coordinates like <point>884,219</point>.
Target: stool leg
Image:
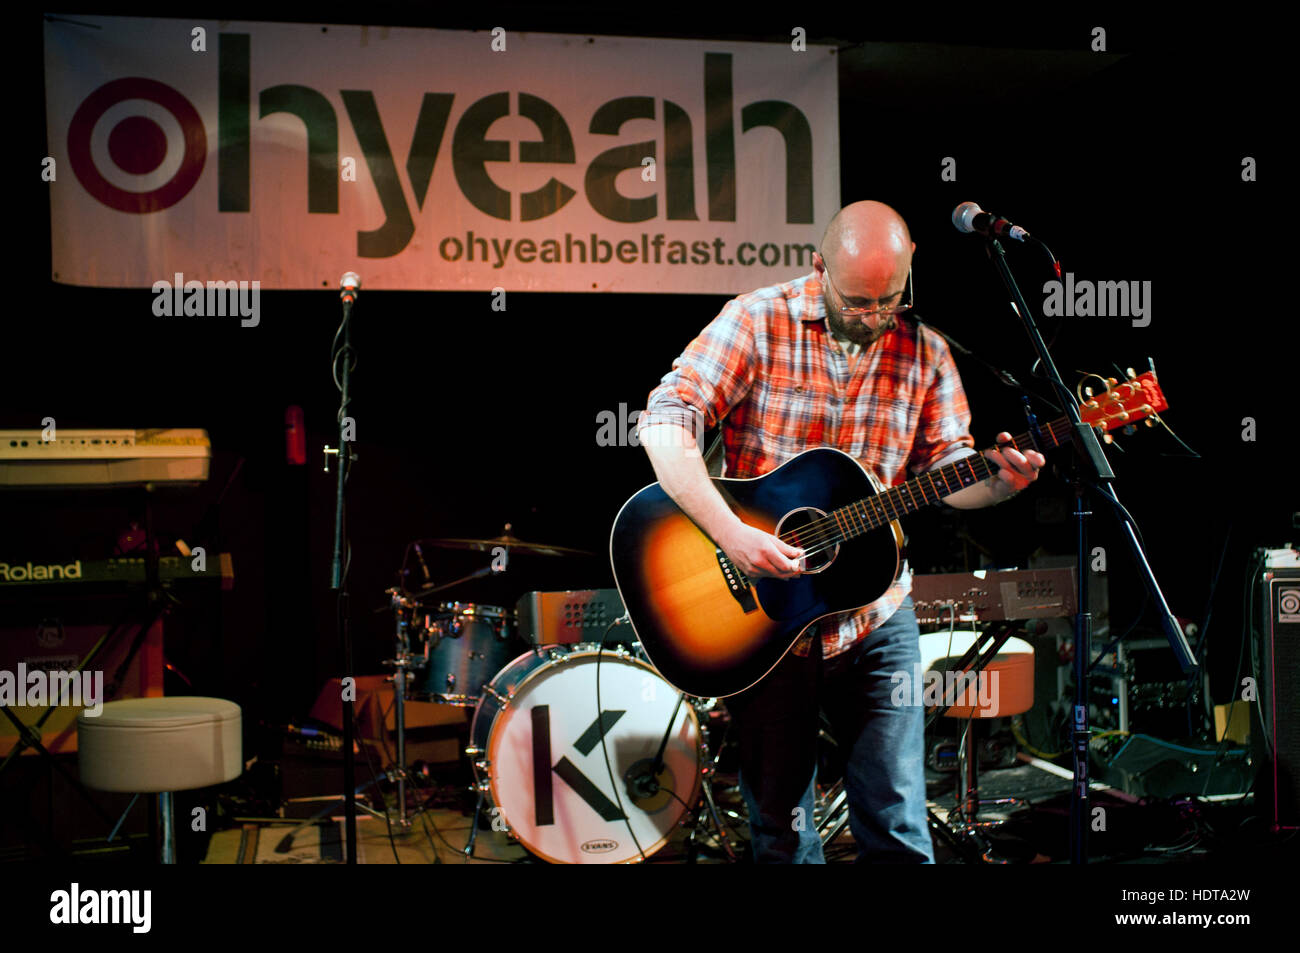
<point>167,823</point>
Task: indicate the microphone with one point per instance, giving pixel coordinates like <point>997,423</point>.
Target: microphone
<point>969,217</point>
<point>349,287</point>
<point>641,781</point>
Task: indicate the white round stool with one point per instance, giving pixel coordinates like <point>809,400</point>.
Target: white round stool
<point>1007,689</point>
<point>161,745</point>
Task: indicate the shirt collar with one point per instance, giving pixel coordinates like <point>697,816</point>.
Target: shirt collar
<point>812,302</point>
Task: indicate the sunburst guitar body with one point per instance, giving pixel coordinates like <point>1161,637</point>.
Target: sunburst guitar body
<point>707,628</point>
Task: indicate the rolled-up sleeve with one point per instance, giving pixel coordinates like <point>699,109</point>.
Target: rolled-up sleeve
<point>713,374</point>
<point>943,431</point>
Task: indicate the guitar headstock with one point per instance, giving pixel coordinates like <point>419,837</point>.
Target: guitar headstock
<point>1124,404</point>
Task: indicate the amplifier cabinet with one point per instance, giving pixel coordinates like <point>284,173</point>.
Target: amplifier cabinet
<point>1279,695</point>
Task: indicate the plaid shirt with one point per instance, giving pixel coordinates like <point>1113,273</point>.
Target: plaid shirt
<point>768,367</point>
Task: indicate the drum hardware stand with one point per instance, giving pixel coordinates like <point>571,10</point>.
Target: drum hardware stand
<point>468,849</point>
<point>400,664</point>
<point>708,769</point>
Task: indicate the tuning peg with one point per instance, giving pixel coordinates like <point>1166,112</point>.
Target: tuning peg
<point>1087,392</point>
<point>1130,430</point>
<point>1111,382</point>
<point>1150,421</point>
<point>1107,438</point>
<point>1130,372</point>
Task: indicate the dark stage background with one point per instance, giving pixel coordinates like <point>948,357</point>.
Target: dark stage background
<point>1127,163</point>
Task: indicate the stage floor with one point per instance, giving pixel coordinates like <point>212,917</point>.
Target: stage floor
<point>1035,832</point>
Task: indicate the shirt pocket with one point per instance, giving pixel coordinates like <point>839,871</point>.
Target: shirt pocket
<point>799,413</point>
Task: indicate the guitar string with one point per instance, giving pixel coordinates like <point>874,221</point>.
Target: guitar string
<point>827,529</point>
<point>826,532</point>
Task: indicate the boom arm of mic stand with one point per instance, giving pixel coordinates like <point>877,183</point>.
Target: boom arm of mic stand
<point>658,764</point>
<point>476,574</point>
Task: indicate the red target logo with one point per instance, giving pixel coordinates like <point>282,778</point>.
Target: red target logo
<point>137,145</point>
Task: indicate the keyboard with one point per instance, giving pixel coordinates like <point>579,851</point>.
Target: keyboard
<point>88,458</point>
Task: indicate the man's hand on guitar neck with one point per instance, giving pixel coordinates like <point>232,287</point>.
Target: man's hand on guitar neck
<point>1016,471</point>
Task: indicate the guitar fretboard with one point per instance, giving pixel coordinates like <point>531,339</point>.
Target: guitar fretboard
<point>873,512</point>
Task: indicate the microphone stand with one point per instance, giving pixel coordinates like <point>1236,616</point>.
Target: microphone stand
<point>643,782</point>
<point>338,573</point>
<point>1091,470</point>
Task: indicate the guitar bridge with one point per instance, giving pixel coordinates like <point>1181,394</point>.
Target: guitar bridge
<point>737,583</point>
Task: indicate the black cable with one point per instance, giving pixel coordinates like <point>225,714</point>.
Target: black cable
<point>1236,678</point>
<point>437,859</point>
<point>423,813</point>
<point>1109,646</point>
<point>600,653</point>
<point>1214,587</point>
<point>1056,273</point>
<point>1201,643</point>
<point>1124,513</point>
<point>337,351</point>
<point>677,797</point>
<point>1248,611</point>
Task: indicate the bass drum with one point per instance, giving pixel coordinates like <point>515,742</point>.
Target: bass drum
<point>537,752</point>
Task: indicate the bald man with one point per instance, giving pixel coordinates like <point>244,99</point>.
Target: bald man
<point>833,358</point>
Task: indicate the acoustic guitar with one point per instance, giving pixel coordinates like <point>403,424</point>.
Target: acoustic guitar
<point>711,631</point>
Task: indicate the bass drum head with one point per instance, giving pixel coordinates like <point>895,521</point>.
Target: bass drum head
<point>545,766</point>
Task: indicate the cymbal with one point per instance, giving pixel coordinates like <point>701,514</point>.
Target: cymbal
<point>510,543</point>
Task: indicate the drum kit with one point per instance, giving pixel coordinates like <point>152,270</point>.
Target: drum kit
<point>581,752</point>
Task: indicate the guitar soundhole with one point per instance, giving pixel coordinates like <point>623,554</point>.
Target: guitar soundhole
<point>810,530</point>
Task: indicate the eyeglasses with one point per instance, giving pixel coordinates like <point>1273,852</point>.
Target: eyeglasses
<point>896,309</point>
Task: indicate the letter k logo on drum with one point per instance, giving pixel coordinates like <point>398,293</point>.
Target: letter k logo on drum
<point>566,769</point>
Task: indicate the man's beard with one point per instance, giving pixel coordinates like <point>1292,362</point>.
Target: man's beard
<point>857,332</point>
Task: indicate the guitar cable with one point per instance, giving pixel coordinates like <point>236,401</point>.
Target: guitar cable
<point>600,715</point>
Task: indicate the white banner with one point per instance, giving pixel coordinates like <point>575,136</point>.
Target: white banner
<point>289,153</point>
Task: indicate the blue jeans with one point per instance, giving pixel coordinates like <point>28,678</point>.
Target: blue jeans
<point>777,723</point>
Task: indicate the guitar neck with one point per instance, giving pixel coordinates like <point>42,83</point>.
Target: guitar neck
<point>932,486</point>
